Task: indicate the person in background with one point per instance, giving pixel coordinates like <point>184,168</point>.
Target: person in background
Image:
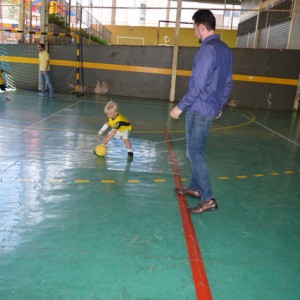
<point>209,90</point>
<point>44,68</point>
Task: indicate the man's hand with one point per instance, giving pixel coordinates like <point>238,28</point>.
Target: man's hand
<point>175,112</point>
<point>218,116</point>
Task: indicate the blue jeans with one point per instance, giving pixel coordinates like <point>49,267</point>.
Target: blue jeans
<point>197,131</point>
<point>45,78</point>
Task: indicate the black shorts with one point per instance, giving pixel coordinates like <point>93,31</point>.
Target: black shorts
<point>2,87</point>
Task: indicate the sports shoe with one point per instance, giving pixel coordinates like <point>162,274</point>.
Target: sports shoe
<point>188,192</point>
<point>8,98</point>
<point>130,155</point>
<point>41,95</point>
<point>203,206</point>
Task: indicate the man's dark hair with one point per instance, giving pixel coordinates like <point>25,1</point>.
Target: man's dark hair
<point>205,17</point>
<point>42,45</point>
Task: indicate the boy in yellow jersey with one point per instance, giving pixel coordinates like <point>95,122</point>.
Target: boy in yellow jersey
<point>2,86</point>
<point>120,125</point>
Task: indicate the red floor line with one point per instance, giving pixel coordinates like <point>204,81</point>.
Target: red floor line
<point>198,270</point>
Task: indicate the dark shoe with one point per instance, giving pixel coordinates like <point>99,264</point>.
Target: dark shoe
<point>188,192</point>
<point>130,155</point>
<point>203,206</point>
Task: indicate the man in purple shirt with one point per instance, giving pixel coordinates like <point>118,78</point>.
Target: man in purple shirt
<point>209,90</point>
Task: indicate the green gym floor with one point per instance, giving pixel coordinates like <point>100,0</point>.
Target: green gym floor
<point>77,226</point>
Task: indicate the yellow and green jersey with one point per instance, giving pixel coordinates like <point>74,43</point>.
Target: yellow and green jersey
<point>120,123</point>
<point>1,78</point>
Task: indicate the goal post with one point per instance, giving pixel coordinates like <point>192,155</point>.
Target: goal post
<point>19,58</point>
<point>130,40</point>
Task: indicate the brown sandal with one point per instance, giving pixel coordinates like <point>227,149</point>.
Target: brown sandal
<point>203,206</point>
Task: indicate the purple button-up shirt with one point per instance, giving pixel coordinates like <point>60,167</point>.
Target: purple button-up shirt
<point>211,81</point>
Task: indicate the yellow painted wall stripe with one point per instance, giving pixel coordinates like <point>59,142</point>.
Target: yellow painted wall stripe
<point>30,60</point>
<point>262,79</point>
<point>19,59</point>
<point>149,70</point>
<point>126,68</point>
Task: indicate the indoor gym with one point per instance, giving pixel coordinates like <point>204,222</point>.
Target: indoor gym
<point>78,226</point>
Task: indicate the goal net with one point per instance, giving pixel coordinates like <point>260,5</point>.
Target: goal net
<point>19,59</point>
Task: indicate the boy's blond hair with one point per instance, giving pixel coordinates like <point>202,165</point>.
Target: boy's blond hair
<point>110,106</point>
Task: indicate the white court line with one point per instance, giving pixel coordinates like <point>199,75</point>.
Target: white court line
<point>51,116</point>
<point>278,134</point>
<point>34,125</point>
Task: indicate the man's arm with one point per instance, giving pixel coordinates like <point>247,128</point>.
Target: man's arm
<point>47,65</point>
<point>228,82</point>
<point>201,74</point>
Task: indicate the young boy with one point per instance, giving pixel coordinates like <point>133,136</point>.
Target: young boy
<point>120,125</point>
<point>2,86</point>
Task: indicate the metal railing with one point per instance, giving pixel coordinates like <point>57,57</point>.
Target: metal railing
<point>70,18</point>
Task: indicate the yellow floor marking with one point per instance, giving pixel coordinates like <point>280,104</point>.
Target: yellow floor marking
<point>253,118</point>
<point>56,181</point>
<point>82,181</point>
<point>158,180</point>
<point>288,172</point>
<point>26,180</point>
